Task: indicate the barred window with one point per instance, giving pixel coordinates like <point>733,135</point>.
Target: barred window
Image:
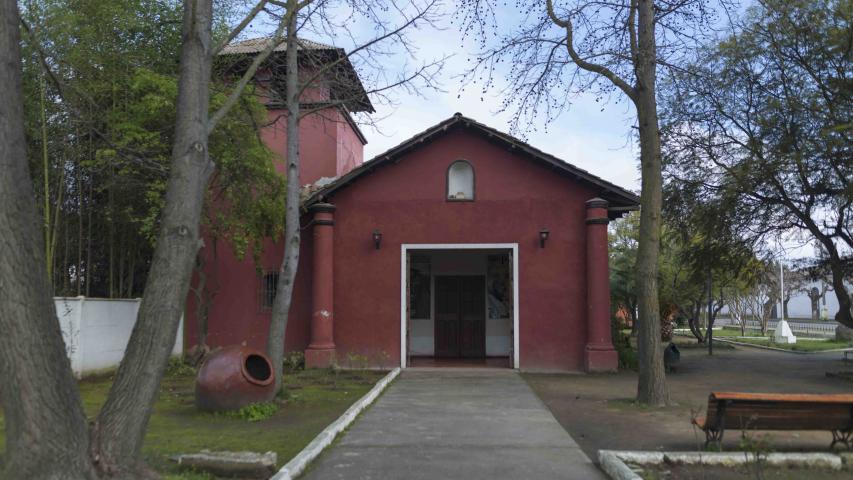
<point>268,286</point>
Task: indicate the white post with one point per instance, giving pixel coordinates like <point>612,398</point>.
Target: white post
<point>782,289</point>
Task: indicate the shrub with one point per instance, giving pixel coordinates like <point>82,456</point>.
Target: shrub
<point>178,368</point>
<point>627,355</point>
<point>255,412</point>
<point>294,361</point>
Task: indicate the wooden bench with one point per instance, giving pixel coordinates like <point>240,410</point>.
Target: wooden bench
<point>778,411</point>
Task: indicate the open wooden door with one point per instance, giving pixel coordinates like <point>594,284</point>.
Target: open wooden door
<point>460,316</point>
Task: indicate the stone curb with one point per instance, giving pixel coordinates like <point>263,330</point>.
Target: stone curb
<point>614,464</point>
<point>297,464</point>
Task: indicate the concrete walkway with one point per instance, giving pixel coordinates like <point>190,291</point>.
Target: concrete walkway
<point>456,424</point>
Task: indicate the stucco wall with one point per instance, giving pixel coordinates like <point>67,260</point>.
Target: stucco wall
<point>96,331</point>
<point>328,146</point>
<point>515,198</point>
<point>235,315</point>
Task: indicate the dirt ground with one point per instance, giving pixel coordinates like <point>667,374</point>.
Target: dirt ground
<point>598,410</point>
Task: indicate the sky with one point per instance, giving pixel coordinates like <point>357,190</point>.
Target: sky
<point>591,135</point>
<point>587,136</point>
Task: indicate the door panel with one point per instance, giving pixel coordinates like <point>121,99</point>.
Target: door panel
<point>446,316</point>
<point>472,334</point>
<point>460,316</point>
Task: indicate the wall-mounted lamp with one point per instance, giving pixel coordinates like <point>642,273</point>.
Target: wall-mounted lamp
<point>543,235</point>
<point>377,238</point>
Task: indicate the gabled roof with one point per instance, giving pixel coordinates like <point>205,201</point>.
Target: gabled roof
<point>620,199</point>
<point>347,87</point>
<point>257,45</point>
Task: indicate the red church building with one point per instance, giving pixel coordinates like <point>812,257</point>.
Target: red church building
<point>461,244</point>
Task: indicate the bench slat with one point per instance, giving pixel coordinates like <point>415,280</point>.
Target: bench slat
<point>757,411</point>
<point>785,397</point>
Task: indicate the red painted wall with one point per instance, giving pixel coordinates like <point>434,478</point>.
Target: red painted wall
<point>235,314</point>
<point>515,198</point>
<point>328,147</point>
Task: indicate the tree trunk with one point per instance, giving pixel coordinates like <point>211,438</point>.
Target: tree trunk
<point>79,267</point>
<point>46,432</point>
<point>844,315</point>
<point>693,321</point>
<point>710,285</point>
<point>111,233</point>
<point>120,427</point>
<point>88,278</point>
<point>290,262</point>
<point>651,388</point>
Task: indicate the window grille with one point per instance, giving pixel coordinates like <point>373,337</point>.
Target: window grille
<point>267,290</point>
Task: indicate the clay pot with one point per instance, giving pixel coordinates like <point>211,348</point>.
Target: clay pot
<point>232,378</point>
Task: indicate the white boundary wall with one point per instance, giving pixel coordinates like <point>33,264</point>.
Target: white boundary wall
<point>96,331</point>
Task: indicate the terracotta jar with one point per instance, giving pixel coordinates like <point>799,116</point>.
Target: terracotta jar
<point>232,378</point>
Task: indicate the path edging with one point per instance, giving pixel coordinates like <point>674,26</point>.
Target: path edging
<point>297,464</point>
<point>613,461</point>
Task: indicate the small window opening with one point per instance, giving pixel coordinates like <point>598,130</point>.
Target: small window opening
<point>460,181</point>
<point>269,284</point>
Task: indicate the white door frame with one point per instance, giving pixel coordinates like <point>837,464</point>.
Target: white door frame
<point>404,250</point>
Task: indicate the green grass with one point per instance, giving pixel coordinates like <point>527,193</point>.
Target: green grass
<point>311,400</point>
<point>802,345</point>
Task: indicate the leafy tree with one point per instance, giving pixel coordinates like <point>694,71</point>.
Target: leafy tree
<point>764,116</point>
<point>91,66</point>
<point>109,110</point>
<point>307,71</point>
<point>48,436</point>
<point>623,257</point>
<point>615,49</point>
<point>35,437</point>
<point>47,431</point>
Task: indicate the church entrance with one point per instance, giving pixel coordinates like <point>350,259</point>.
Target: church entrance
<point>459,307</point>
<point>460,316</point>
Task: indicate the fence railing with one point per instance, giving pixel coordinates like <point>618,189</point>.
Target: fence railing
<point>800,328</point>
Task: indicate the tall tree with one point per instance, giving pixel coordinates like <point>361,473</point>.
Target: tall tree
<point>110,115</point>
<point>308,70</point>
<point>623,256</point>
<point>46,428</point>
<point>564,48</point>
<point>765,115</point>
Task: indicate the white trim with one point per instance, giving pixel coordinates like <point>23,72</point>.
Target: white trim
<point>615,462</point>
<point>404,250</point>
